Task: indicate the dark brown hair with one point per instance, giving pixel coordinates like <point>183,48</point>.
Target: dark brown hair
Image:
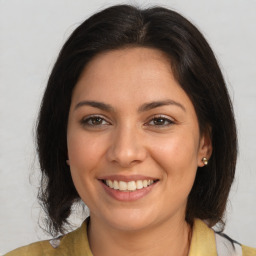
<point>195,68</point>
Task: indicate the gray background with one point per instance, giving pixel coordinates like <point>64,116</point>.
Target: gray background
<point>32,33</point>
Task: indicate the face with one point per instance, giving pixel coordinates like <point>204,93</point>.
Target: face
<point>133,140</point>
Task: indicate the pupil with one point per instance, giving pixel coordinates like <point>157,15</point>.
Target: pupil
<point>159,121</point>
<point>96,121</point>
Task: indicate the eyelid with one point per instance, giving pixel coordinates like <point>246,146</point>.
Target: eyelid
<point>170,121</point>
<point>84,121</point>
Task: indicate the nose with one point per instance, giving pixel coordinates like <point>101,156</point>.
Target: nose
<point>126,147</point>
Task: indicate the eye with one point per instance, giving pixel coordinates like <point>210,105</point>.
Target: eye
<point>93,121</point>
<point>160,121</point>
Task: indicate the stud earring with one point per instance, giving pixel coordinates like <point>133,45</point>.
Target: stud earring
<point>205,160</point>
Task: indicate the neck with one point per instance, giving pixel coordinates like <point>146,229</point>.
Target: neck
<point>172,239</point>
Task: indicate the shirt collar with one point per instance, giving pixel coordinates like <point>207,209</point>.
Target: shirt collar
<point>203,240</point>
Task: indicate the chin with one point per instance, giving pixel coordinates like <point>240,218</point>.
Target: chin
<point>130,220</point>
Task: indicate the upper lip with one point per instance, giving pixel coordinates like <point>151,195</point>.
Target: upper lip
<point>127,178</point>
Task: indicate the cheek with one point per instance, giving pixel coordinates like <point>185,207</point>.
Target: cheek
<point>182,146</point>
<point>177,155</point>
<point>83,151</point>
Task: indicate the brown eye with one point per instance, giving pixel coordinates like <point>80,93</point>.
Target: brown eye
<point>94,121</point>
<point>160,121</point>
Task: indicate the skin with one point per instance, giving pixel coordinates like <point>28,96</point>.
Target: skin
<point>162,142</point>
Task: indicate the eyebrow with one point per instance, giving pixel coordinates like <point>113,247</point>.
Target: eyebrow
<point>95,104</point>
<point>143,108</point>
<point>156,104</point>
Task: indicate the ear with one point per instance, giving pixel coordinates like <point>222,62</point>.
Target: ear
<point>67,161</point>
<point>205,147</point>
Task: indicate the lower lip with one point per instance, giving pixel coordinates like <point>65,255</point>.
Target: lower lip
<point>129,195</point>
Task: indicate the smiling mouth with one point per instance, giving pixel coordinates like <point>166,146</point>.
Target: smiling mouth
<point>128,186</point>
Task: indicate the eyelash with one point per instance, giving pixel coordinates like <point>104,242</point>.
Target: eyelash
<point>88,121</point>
<point>165,121</point>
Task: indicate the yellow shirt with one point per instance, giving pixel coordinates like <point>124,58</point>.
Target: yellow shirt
<point>76,243</point>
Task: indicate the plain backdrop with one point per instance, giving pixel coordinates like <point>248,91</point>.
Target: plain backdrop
<point>31,34</point>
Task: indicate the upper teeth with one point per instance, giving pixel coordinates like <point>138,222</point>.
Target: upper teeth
<point>130,186</point>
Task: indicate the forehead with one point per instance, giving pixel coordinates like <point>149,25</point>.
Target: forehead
<point>141,54</point>
<point>127,60</point>
<point>130,74</point>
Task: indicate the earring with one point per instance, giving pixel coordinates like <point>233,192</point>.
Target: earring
<point>205,160</point>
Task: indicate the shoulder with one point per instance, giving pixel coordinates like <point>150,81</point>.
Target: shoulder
<point>35,249</point>
<point>248,251</point>
<point>74,243</point>
<point>227,246</point>
<point>204,239</point>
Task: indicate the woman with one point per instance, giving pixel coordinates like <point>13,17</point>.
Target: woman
<point>136,121</point>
